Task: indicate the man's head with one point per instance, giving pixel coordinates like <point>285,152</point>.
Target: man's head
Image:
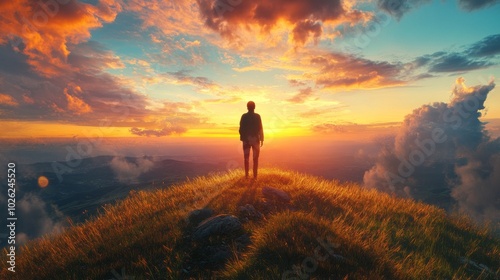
<point>251,105</point>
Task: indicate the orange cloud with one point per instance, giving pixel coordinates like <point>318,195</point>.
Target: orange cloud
<point>7,100</point>
<point>301,96</point>
<point>348,71</point>
<point>43,30</point>
<point>304,18</point>
<point>76,104</point>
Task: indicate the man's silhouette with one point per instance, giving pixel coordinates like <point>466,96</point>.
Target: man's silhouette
<point>252,135</point>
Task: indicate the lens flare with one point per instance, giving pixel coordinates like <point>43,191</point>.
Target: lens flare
<point>43,181</point>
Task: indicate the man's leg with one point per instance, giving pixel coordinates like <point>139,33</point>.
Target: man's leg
<point>256,153</point>
<point>246,156</point>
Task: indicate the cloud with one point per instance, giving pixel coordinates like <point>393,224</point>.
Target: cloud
<point>183,77</point>
<point>350,127</point>
<point>336,70</point>
<point>88,95</point>
<point>400,7</point>
<point>296,83</point>
<point>35,217</point>
<point>488,47</point>
<point>455,62</point>
<point>172,18</point>
<point>45,31</point>
<point>73,96</point>
<point>158,132</point>
<point>8,100</point>
<point>475,56</point>
<point>304,29</point>
<point>129,169</point>
<point>471,5</point>
<point>75,104</point>
<point>321,112</point>
<point>301,96</point>
<point>478,191</point>
<point>304,18</point>
<point>336,128</point>
<point>442,155</point>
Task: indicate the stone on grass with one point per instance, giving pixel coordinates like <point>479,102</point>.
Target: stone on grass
<point>249,212</point>
<point>197,216</point>
<point>220,225</point>
<point>274,193</point>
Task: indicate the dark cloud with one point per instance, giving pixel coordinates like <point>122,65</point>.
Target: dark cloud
<point>456,62</point>
<point>301,96</point>
<point>471,5</point>
<point>398,8</point>
<point>304,29</point>
<point>475,56</point>
<point>488,47</point>
<point>303,17</point>
<point>443,155</point>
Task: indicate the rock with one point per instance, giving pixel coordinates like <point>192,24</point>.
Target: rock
<point>249,212</point>
<point>195,217</point>
<point>219,225</point>
<point>477,266</point>
<point>274,193</point>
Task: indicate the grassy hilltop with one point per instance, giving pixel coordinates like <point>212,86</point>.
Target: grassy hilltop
<point>326,231</point>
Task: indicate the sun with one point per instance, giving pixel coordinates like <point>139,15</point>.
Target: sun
<point>43,181</point>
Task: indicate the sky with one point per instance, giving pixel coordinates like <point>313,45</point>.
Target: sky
<point>176,68</point>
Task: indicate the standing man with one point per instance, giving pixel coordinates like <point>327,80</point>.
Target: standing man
<point>252,135</point>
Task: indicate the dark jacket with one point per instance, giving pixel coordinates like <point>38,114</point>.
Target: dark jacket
<point>251,125</point>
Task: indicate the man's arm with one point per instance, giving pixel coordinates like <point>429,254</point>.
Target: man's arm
<point>261,132</point>
<point>241,128</point>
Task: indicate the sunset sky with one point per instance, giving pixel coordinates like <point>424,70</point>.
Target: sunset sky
<point>187,68</point>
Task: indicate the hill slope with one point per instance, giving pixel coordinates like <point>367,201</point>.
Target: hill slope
<point>325,231</point>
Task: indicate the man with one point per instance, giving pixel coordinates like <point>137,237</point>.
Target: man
<point>252,134</point>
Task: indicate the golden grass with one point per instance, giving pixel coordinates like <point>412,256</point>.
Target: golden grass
<point>378,236</point>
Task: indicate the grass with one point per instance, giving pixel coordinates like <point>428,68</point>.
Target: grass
<point>370,235</point>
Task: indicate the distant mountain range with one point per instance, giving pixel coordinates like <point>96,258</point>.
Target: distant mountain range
<point>77,190</point>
